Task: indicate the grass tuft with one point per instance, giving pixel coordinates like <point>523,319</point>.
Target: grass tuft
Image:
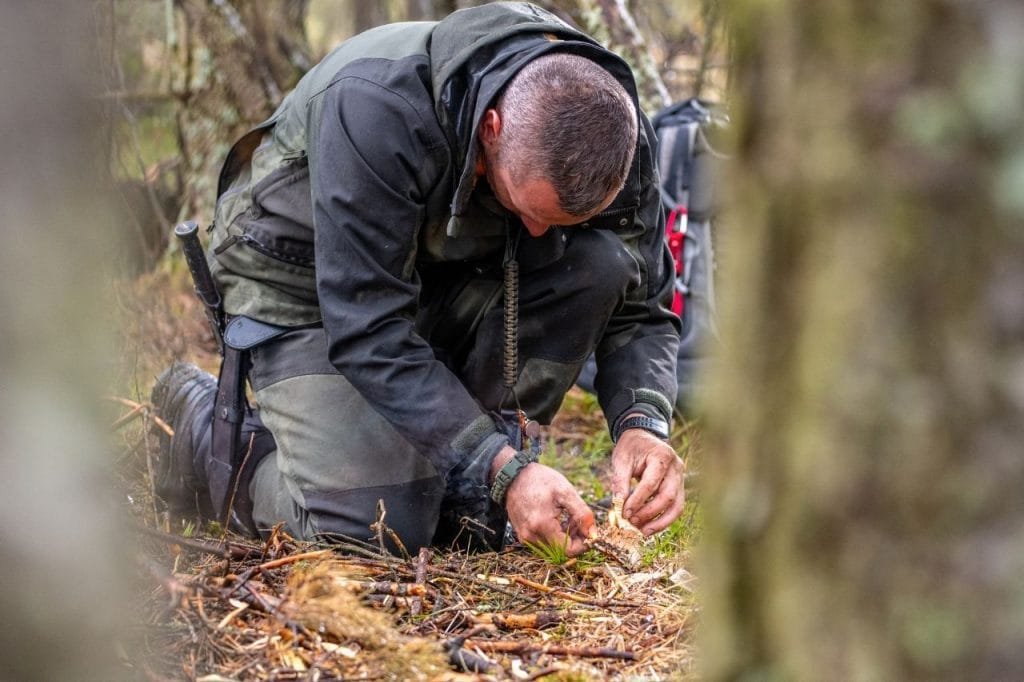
<point>553,553</point>
<point>681,535</point>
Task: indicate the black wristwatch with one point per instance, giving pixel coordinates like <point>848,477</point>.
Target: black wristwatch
<point>659,427</point>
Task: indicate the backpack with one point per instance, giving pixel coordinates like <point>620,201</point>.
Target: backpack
<point>685,162</point>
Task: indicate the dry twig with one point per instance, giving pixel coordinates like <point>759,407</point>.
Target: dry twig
<point>528,649</point>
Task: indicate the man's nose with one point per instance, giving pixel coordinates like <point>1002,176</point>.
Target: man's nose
<point>534,227</point>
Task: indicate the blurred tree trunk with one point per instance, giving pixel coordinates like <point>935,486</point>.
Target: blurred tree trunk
<point>711,18</point>
<point>370,14</point>
<point>237,58</point>
<point>64,570</point>
<point>443,8</point>
<point>419,10</point>
<point>864,470</point>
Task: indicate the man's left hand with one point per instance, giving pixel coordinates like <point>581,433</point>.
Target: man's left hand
<point>658,497</point>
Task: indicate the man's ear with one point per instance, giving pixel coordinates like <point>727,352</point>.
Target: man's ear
<point>490,127</point>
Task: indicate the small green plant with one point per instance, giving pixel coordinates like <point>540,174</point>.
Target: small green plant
<point>214,529</point>
<point>682,534</point>
<point>589,559</point>
<point>553,553</point>
<point>188,528</point>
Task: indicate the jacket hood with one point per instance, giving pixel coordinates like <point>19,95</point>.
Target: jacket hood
<point>475,52</point>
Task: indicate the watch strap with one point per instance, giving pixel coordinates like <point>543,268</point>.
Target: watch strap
<point>658,427</point>
<point>508,473</point>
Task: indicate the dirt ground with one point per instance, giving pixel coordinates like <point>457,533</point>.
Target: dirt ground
<point>213,606</point>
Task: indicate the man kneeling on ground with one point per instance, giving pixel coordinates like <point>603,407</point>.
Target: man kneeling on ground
<point>439,224</point>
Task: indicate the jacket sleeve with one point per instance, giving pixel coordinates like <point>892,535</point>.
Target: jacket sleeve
<point>636,358</point>
<point>375,152</point>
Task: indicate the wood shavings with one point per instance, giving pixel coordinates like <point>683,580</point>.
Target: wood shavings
<point>618,538</point>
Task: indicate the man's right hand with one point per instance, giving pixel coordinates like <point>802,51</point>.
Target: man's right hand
<point>544,507</point>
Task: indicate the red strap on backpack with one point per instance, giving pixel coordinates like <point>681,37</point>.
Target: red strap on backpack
<point>675,233</point>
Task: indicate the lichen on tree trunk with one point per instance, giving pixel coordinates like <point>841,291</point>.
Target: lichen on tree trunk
<point>863,468</point>
<point>611,22</point>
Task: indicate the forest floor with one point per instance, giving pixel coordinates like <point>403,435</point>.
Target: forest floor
<point>214,606</point>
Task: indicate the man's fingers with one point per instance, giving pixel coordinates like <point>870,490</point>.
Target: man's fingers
<point>584,527</point>
<point>581,516</point>
<point>657,508</point>
<point>665,520</point>
<point>650,482</point>
<point>652,508</point>
<point>622,473</point>
<point>544,530</point>
<point>545,508</point>
<point>662,509</point>
<point>576,547</point>
<point>552,532</point>
<point>581,521</point>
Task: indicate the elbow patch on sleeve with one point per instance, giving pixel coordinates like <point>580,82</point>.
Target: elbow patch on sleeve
<point>473,436</point>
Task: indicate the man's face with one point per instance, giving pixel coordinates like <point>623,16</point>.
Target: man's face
<point>534,201</point>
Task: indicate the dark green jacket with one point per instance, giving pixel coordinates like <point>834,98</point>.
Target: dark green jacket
<point>365,174</point>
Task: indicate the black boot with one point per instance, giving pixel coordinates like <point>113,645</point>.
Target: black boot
<point>183,398</point>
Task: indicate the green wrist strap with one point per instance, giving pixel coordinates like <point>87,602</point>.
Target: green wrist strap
<point>508,473</point>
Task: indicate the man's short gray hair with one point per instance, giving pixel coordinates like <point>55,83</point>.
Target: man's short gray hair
<point>570,122</point>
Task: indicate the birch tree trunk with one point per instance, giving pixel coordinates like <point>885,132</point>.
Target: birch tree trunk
<point>864,465</point>
<point>612,23</point>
